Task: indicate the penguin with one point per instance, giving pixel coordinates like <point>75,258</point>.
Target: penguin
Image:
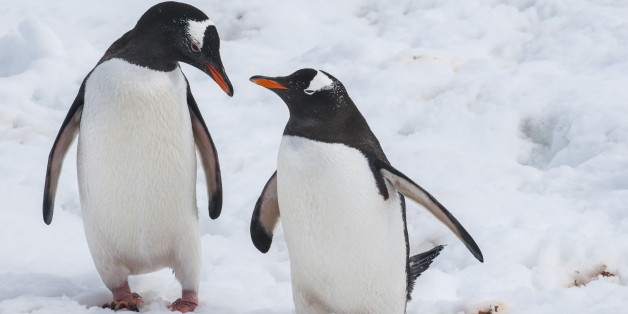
<point>139,128</point>
<point>341,204</point>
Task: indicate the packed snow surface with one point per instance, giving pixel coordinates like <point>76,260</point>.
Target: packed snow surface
<point>513,114</point>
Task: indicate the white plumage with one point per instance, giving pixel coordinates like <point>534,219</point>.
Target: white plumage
<point>137,174</point>
<point>346,243</point>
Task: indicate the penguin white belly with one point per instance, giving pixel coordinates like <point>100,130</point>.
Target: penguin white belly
<point>137,171</point>
<point>346,243</point>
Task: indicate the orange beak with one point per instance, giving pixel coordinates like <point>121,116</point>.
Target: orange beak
<point>220,80</point>
<point>267,83</point>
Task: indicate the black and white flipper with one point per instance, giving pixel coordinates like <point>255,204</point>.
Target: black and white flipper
<point>410,189</point>
<point>209,157</point>
<point>265,216</point>
<point>67,133</point>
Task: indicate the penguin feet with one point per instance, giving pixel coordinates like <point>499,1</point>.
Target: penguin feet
<point>132,301</point>
<point>123,298</point>
<point>182,306</point>
<point>187,303</point>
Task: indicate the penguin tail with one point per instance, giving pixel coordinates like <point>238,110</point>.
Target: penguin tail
<point>419,263</point>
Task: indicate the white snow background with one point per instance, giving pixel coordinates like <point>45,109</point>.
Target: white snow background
<point>514,114</point>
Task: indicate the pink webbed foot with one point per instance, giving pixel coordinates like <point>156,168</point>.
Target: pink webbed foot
<point>132,301</point>
<point>187,303</point>
<point>124,299</point>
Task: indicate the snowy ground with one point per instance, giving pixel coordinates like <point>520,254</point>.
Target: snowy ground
<point>513,113</point>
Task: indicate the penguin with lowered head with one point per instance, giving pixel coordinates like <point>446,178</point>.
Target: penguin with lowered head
<point>139,129</point>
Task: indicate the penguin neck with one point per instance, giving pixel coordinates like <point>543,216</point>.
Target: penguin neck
<point>145,51</point>
<point>349,128</point>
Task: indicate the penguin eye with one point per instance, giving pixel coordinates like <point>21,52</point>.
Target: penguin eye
<point>195,47</point>
<point>309,91</point>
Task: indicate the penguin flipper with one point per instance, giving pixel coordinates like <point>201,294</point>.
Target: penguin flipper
<point>413,191</point>
<point>67,133</point>
<point>420,263</point>
<point>208,155</point>
<point>265,216</point>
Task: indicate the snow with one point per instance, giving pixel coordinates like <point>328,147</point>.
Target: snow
<point>511,113</point>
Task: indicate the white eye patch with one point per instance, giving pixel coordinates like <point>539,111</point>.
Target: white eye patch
<point>320,82</point>
<point>196,30</point>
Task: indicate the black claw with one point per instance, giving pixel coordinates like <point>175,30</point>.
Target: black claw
<point>120,306</point>
<point>134,308</point>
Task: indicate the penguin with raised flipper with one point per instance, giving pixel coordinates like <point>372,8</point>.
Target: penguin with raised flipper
<point>341,204</point>
<point>139,128</point>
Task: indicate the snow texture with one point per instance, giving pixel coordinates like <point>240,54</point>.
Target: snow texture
<point>511,113</point>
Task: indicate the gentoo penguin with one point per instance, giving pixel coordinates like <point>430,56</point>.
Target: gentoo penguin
<point>139,125</point>
<point>341,204</point>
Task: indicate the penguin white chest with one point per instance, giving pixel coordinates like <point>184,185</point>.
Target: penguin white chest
<point>137,165</point>
<point>346,243</point>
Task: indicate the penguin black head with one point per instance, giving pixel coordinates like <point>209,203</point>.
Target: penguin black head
<point>321,109</point>
<point>170,32</point>
<point>310,94</point>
